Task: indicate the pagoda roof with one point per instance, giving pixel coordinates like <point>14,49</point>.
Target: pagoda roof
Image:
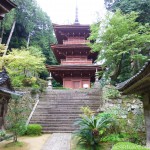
<point>61,71</point>
<point>62,46</point>
<point>5,7</point>
<point>71,26</point>
<point>60,51</point>
<point>62,32</point>
<point>139,83</point>
<point>73,67</point>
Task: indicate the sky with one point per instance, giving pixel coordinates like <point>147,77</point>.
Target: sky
<point>63,11</point>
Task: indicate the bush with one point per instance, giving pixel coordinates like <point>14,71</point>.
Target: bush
<point>92,129</point>
<point>113,138</point>
<point>35,89</point>
<point>29,81</point>
<point>34,129</point>
<point>2,133</point>
<point>17,81</point>
<point>128,146</point>
<point>112,93</point>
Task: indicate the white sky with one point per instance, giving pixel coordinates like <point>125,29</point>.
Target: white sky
<point>63,11</point>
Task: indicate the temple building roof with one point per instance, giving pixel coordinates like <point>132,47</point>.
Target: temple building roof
<point>5,7</point>
<point>74,67</point>
<point>61,71</point>
<point>5,85</point>
<point>139,83</point>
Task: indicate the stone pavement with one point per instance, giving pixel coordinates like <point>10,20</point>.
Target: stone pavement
<point>58,141</point>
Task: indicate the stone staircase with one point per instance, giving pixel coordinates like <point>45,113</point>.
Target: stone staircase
<point>57,110</point>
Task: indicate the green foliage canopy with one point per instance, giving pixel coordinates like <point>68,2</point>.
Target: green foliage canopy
<point>33,28</point>
<point>139,6</point>
<point>121,42</point>
<point>24,63</point>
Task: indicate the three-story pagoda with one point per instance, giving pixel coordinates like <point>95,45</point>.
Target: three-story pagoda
<point>76,69</point>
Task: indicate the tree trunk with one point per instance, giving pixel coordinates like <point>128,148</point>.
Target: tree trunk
<point>146,104</point>
<point>9,38</point>
<point>15,137</point>
<point>117,70</point>
<point>2,33</point>
<point>28,42</point>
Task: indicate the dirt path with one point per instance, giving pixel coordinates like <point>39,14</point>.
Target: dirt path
<point>31,143</point>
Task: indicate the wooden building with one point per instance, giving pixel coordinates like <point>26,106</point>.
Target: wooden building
<point>140,84</point>
<point>5,7</point>
<point>76,69</point>
<point>6,91</point>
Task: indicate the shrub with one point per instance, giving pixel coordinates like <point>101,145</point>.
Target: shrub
<point>29,81</point>
<point>2,133</point>
<point>92,129</point>
<point>112,93</point>
<point>113,138</point>
<point>17,81</point>
<point>35,89</point>
<point>128,146</point>
<point>87,111</point>
<point>34,129</point>
<point>16,118</point>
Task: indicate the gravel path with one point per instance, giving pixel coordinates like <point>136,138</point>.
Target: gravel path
<point>58,141</point>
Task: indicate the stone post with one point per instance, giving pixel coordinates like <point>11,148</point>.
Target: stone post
<point>49,82</point>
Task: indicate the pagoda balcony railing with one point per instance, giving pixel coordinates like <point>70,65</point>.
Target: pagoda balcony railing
<point>73,62</point>
<point>75,41</point>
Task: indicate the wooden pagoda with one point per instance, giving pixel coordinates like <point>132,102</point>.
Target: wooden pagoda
<point>76,69</point>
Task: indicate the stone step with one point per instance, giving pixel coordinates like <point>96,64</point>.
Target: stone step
<point>80,102</point>
<point>53,107</point>
<point>54,116</point>
<point>58,128</point>
<point>72,97</point>
<point>56,131</point>
<point>69,103</point>
<point>54,120</point>
<point>53,123</point>
<point>59,109</point>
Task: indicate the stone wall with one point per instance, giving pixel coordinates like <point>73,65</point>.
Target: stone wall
<point>128,107</point>
<point>27,102</point>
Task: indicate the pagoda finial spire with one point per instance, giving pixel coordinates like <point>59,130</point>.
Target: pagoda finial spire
<point>76,17</point>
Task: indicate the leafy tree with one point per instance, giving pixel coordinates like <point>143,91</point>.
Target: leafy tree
<point>33,28</point>
<point>122,44</point>
<point>24,63</point>
<point>139,6</point>
<point>6,23</point>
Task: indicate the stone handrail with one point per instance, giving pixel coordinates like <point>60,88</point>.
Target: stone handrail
<point>30,116</point>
